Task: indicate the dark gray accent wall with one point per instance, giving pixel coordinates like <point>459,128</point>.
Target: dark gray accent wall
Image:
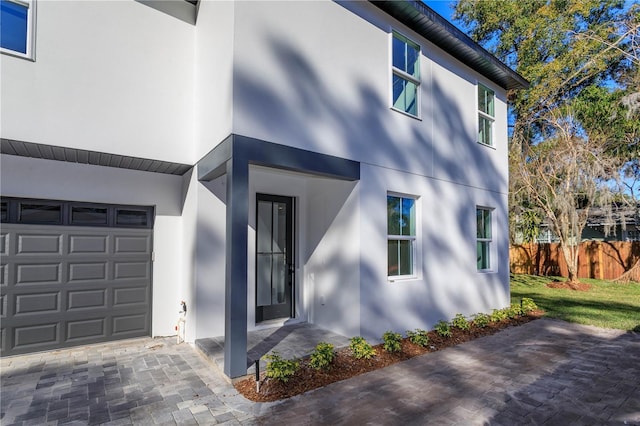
<point>233,157</point>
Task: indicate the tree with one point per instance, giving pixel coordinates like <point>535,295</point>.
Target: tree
<point>575,54</point>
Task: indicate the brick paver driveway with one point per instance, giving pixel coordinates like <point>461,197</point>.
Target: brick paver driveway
<point>545,372</point>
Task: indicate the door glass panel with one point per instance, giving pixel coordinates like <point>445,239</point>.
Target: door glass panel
<point>40,213</point>
<point>263,272</point>
<point>280,228</point>
<point>279,279</point>
<point>264,227</point>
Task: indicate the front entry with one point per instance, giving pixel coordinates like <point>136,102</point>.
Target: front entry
<point>274,257</point>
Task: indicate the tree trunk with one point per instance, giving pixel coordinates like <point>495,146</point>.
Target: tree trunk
<point>632,274</point>
<point>570,254</point>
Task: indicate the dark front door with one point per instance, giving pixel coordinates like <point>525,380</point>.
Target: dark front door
<point>274,257</point>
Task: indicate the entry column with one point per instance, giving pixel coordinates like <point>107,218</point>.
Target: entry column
<point>235,336</point>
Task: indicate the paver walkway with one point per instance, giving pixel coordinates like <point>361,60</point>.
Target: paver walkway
<point>545,372</point>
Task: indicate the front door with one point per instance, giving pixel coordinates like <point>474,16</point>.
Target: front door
<point>274,257</point>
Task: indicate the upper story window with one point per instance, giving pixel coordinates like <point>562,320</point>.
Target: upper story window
<point>401,238</point>
<point>406,74</point>
<point>483,237</point>
<point>486,115</point>
<point>17,27</point>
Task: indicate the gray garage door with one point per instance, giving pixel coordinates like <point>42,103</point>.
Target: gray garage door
<point>65,285</point>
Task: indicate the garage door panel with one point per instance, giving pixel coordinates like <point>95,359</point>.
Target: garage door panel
<point>70,285</point>
<point>38,273</point>
<point>88,244</point>
<point>132,244</point>
<point>4,244</point>
<point>130,324</point>
<point>95,271</point>
<point>129,296</point>
<point>35,337</point>
<point>86,299</point>
<point>4,274</point>
<point>39,244</point>
<point>93,328</point>
<point>130,270</point>
<point>37,304</point>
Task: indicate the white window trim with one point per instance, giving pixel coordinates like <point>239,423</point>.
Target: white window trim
<point>31,32</point>
<point>400,73</point>
<point>491,241</point>
<point>483,114</point>
<point>417,247</point>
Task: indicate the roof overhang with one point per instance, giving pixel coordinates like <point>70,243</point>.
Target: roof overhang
<point>426,22</point>
<point>82,156</point>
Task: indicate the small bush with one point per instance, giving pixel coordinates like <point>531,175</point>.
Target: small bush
<point>280,369</point>
<point>481,320</point>
<point>442,328</point>
<point>392,341</point>
<point>418,337</point>
<point>361,349</point>
<point>527,304</point>
<point>459,321</point>
<point>498,315</point>
<point>514,311</point>
<point>322,356</point>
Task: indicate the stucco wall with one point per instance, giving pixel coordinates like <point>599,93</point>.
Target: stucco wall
<point>109,76</point>
<point>317,76</point>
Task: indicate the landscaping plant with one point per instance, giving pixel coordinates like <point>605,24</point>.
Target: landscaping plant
<point>392,341</point>
<point>498,315</point>
<point>280,369</point>
<point>418,337</point>
<point>361,349</point>
<point>481,320</point>
<point>442,328</point>
<point>527,305</point>
<point>459,321</point>
<point>322,356</point>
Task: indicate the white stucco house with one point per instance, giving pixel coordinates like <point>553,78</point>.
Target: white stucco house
<point>267,162</point>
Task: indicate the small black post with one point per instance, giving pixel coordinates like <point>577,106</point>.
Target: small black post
<point>258,375</point>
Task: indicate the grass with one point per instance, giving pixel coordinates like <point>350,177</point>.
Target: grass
<point>606,304</point>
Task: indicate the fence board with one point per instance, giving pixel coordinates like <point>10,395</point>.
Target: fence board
<point>604,260</point>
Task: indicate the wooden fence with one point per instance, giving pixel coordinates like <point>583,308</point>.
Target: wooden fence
<point>596,259</point>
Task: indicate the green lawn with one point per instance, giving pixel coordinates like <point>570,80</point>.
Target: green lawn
<point>607,304</point>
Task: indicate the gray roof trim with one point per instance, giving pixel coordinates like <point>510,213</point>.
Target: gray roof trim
<point>81,156</point>
<point>426,22</point>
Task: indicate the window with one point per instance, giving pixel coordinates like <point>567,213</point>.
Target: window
<point>401,230</point>
<point>48,213</point>
<point>131,217</point>
<point>17,28</point>
<point>483,235</point>
<point>406,74</point>
<point>88,215</point>
<point>486,115</point>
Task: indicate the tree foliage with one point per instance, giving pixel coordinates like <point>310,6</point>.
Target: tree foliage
<point>575,129</point>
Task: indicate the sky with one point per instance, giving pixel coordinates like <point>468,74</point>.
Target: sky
<point>442,7</point>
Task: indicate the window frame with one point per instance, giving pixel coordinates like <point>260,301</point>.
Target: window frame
<point>484,239</point>
<point>30,54</point>
<point>482,115</point>
<point>405,76</point>
<point>413,239</point>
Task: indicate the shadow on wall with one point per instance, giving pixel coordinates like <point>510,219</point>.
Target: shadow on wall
<point>364,132</point>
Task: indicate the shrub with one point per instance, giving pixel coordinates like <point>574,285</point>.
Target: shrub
<point>392,341</point>
<point>442,328</point>
<point>481,320</point>
<point>418,337</point>
<point>498,315</point>
<point>459,321</point>
<point>527,304</point>
<point>322,356</point>
<point>361,349</point>
<point>514,311</point>
<point>279,368</point>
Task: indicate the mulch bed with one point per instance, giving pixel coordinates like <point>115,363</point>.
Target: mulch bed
<point>345,366</point>
<point>569,286</point>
